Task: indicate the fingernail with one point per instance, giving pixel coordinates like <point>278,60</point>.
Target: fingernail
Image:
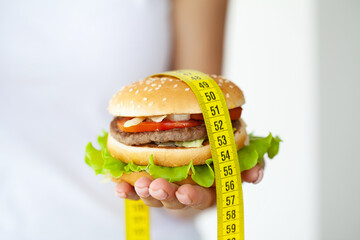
<point>121,194</point>
<point>183,198</point>
<point>159,194</point>
<point>260,177</point>
<point>142,191</point>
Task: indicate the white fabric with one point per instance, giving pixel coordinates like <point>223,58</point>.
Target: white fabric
<point>60,62</point>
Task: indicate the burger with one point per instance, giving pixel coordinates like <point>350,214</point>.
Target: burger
<point>158,131</point>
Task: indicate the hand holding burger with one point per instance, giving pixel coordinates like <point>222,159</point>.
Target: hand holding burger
<point>158,148</point>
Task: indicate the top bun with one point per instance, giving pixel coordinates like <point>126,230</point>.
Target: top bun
<point>166,95</point>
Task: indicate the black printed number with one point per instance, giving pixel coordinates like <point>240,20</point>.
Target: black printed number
<point>230,214</point>
<point>210,96</point>
<point>195,77</point>
<point>231,228</point>
<point>203,84</point>
<point>229,185</point>
<point>214,110</point>
<point>225,155</point>
<point>221,140</point>
<point>230,200</point>
<point>218,125</point>
<point>228,170</point>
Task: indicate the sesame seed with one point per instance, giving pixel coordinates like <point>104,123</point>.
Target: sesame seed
<point>163,78</point>
<point>131,101</point>
<point>213,75</point>
<point>130,90</point>
<point>227,81</point>
<point>170,79</point>
<point>175,85</point>
<point>153,85</point>
<point>144,99</point>
<point>146,88</point>
<point>220,80</point>
<point>164,99</point>
<point>150,103</point>
<point>187,89</point>
<point>137,91</point>
<point>231,86</point>
<point>227,95</point>
<point>220,84</point>
<point>157,88</point>
<point>150,90</point>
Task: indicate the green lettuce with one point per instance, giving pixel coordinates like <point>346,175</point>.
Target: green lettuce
<point>172,174</point>
<point>253,153</point>
<point>194,143</point>
<point>203,174</point>
<point>94,159</point>
<point>102,162</point>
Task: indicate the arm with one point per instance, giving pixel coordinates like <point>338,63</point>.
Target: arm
<point>198,43</point>
<point>198,34</point>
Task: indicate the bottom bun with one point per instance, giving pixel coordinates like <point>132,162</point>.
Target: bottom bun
<point>168,157</point>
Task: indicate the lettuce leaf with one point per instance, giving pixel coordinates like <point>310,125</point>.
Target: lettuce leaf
<point>194,143</point>
<point>132,167</point>
<point>172,174</point>
<point>203,174</point>
<point>113,165</point>
<point>253,154</point>
<point>94,159</point>
<point>103,163</point>
<point>102,139</point>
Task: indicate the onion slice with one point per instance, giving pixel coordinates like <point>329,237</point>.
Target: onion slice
<point>134,121</point>
<point>179,117</point>
<point>157,118</point>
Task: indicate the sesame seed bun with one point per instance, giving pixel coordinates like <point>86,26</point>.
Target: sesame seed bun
<point>168,157</point>
<point>154,96</point>
<point>166,95</point>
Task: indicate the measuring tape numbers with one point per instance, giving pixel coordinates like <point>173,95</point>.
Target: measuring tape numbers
<point>137,220</point>
<point>230,210</point>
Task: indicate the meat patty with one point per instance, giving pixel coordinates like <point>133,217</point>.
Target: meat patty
<point>172,135</point>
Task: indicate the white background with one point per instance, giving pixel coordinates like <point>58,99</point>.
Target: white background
<point>270,55</point>
<point>298,63</point>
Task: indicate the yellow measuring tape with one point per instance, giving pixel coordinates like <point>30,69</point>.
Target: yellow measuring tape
<point>137,220</point>
<point>229,195</point>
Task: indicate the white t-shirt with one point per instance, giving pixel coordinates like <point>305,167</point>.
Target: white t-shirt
<point>60,62</point>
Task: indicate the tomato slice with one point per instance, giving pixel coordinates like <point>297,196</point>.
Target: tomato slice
<point>156,126</point>
<point>235,114</point>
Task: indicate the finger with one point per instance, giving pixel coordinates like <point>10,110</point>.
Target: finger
<point>254,175</point>
<point>125,190</point>
<point>164,191</point>
<point>195,196</point>
<point>142,189</point>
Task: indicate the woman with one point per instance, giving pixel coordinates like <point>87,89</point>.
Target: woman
<point>60,62</point>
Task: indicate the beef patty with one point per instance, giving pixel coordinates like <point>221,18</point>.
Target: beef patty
<point>172,135</point>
